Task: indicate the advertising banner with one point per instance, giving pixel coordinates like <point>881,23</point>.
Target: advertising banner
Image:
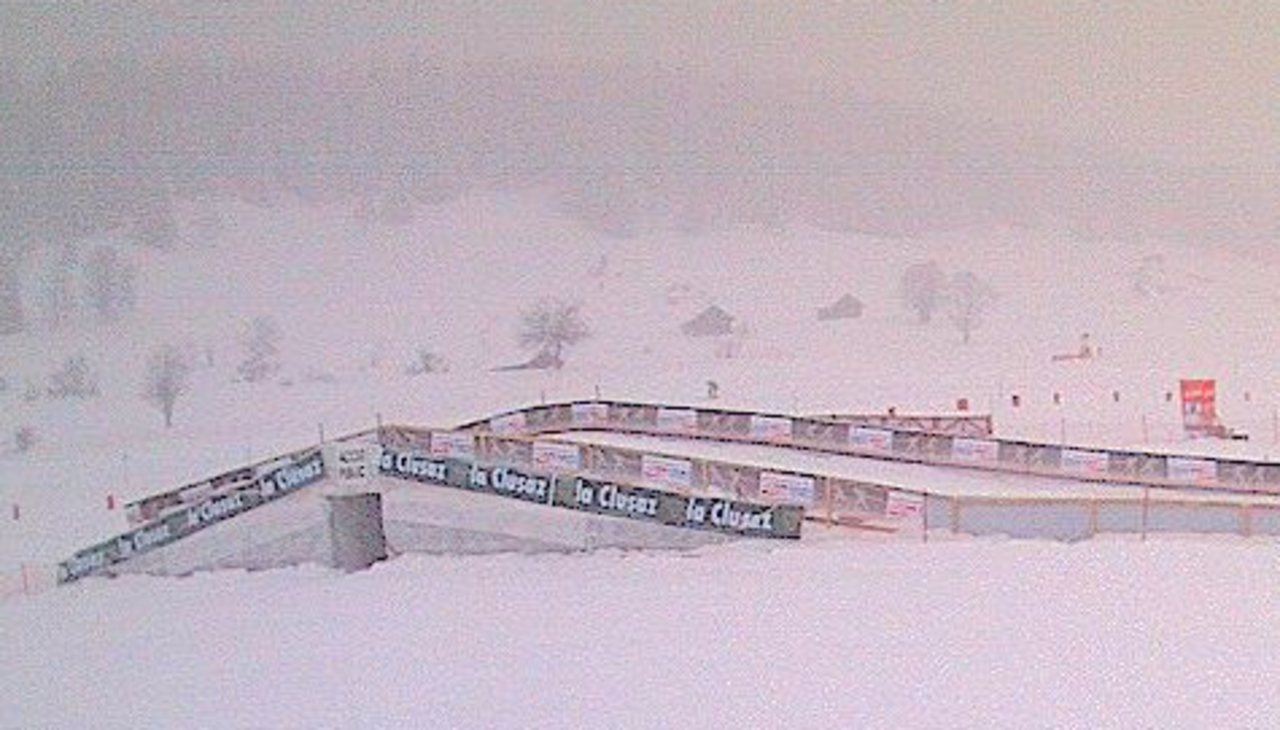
<point>1141,466</point>
<point>859,498</point>
<point>771,428</point>
<point>1085,462</point>
<point>723,422</point>
<point>1260,476</point>
<point>453,445</point>
<point>556,457</point>
<point>732,478</point>
<point>512,423</point>
<point>787,488</point>
<point>923,446</point>
<point>414,466</point>
<point>281,482</point>
<point>902,505</point>
<point>679,420</point>
<point>743,518</point>
<point>1192,470</point>
<point>729,516</point>
<point>1199,407</point>
<point>873,440</point>
<point>666,472</point>
<point>975,451</point>
<point>590,414</point>
<point>505,481</point>
<point>822,432</point>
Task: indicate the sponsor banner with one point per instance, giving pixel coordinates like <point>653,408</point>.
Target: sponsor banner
<point>1138,465</point>
<point>617,500</point>
<point>1192,470</point>
<point>506,481</point>
<point>787,488</point>
<point>729,516</point>
<point>1257,475</point>
<point>771,428</point>
<point>503,481</point>
<point>590,414</point>
<point>877,440</point>
<point>1199,406</point>
<point>292,477</point>
<point>512,423</point>
<point>403,437</point>
<point>556,457</point>
<point>924,446</point>
<point>823,432</point>
<point>859,498</point>
<point>452,445</point>
<point>1015,455</point>
<point>279,483</point>
<point>1085,462</point>
<point>415,466</point>
<point>731,478</point>
<point>605,460</point>
<point>666,471</point>
<point>149,508</point>
<point>902,505</point>
<point>677,419</point>
<point>743,518</point>
<point>351,464</point>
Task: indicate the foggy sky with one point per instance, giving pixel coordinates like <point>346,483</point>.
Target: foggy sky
<point>1186,82</point>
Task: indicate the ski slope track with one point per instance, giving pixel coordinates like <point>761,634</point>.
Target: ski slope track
<point>711,475</point>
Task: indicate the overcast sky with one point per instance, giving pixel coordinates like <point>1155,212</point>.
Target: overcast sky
<point>1192,81</point>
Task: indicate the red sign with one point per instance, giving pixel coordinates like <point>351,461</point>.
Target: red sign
<point>1199,409</point>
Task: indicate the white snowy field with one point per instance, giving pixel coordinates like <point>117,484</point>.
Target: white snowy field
<point>831,633</point>
<point>837,630</point>
<point>354,302</point>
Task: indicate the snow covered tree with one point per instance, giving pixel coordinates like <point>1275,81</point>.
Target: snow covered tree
<point>261,343</point>
<point>968,298</point>
<point>924,289</point>
<point>167,379</point>
<point>551,326</point>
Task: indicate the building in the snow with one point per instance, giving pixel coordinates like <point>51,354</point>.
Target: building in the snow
<point>711,322</point>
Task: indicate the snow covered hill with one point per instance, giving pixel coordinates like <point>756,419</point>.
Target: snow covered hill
<point>833,631</point>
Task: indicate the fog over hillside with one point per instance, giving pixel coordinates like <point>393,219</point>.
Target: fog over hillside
<point>1120,124</point>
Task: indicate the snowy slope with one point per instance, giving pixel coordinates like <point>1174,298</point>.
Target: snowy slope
<point>846,634</point>
<point>828,632</point>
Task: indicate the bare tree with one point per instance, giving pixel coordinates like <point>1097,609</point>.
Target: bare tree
<point>167,379</point>
<point>551,326</point>
<point>968,298</point>
<point>924,289</point>
<point>261,343</point>
<point>109,283</point>
<point>425,362</point>
<point>12,317</point>
<point>57,296</point>
<point>74,380</point>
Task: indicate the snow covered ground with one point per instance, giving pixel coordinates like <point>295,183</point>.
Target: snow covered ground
<point>838,633</point>
<point>835,631</point>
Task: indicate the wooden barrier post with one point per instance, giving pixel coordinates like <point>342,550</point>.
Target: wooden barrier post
<point>1146,509</point>
<point>924,519</point>
<point>829,499</point>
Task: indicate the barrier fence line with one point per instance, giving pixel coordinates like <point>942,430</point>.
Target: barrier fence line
<point>881,437</point>
<point>517,437</point>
